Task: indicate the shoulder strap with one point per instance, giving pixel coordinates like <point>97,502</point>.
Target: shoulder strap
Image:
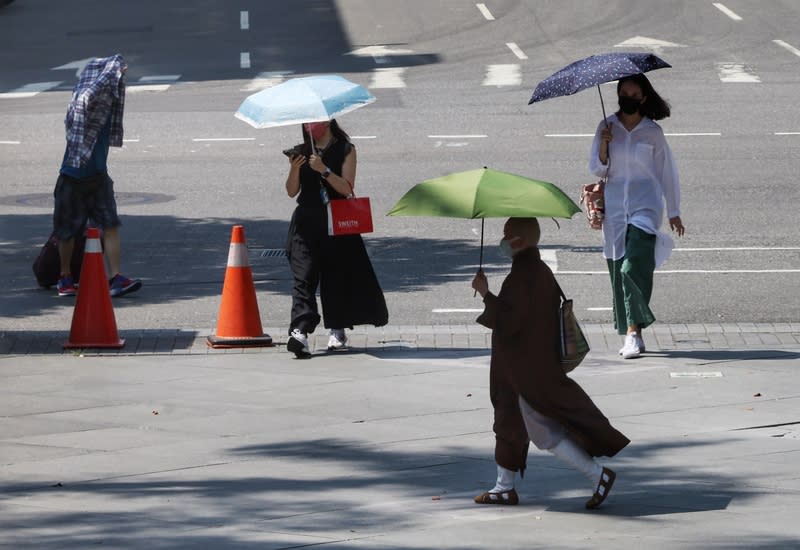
<point>558,286</point>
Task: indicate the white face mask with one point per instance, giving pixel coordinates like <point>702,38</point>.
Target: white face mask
<point>505,247</point>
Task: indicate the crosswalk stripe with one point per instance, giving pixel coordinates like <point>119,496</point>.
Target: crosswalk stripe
<point>154,83</point>
<point>388,77</point>
<point>266,80</point>
<point>30,90</point>
<point>735,72</point>
<point>508,74</point>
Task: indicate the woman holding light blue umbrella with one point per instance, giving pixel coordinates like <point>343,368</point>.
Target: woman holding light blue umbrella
<point>321,168</point>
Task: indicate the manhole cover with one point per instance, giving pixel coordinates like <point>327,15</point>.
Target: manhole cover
<point>45,200</point>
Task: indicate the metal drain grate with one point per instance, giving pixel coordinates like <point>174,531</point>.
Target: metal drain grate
<point>267,252</point>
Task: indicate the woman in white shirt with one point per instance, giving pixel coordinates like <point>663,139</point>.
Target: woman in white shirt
<point>630,148</point>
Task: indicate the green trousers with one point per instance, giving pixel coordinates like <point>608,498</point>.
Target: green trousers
<point>632,281</point>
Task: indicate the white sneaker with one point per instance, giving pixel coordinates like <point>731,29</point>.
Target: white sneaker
<point>298,344</point>
<point>337,339</point>
<point>631,349</point>
<point>640,341</point>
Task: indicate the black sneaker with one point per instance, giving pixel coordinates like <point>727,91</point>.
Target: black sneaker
<point>298,344</point>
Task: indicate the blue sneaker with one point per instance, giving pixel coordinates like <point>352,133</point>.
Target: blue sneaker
<point>120,285</point>
<point>66,286</point>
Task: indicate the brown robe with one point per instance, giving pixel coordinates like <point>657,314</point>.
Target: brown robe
<point>525,362</point>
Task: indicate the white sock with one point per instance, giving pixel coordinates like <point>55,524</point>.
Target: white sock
<point>505,480</point>
<point>578,458</point>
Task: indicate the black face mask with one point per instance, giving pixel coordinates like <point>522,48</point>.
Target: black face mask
<point>629,105</point>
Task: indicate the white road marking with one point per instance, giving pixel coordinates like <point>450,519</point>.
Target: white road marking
<point>550,258</point>
<point>244,60</point>
<point>29,90</point>
<point>693,134</point>
<point>516,50</point>
<point>388,77</point>
<point>787,133</point>
<point>363,137</point>
<point>244,20</point>
<point>676,134</point>
<point>653,44</point>
<point>78,65</point>
<point>131,140</point>
<point>154,83</point>
<point>160,78</point>
<point>266,80</point>
<point>727,11</point>
<point>10,142</point>
<point>503,75</point>
<point>788,47</point>
<point>456,310</point>
<point>379,52</point>
<point>737,249</point>
<point>457,136</point>
<point>451,144</point>
<point>712,374</point>
<point>485,12</point>
<point>136,88</point>
<point>735,72</point>
<point>692,271</point>
<point>599,309</point>
<point>224,139</point>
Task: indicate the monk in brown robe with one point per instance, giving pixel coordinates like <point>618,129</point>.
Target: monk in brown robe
<point>533,399</point>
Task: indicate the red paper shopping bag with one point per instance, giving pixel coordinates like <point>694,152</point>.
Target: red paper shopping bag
<point>349,216</point>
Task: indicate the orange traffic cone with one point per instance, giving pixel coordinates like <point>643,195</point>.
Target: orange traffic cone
<point>239,323</point>
<point>93,322</point>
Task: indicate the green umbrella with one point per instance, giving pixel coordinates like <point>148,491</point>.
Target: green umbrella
<point>485,193</point>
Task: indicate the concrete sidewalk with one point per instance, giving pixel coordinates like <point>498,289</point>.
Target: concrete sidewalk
<point>602,337</point>
<point>177,446</point>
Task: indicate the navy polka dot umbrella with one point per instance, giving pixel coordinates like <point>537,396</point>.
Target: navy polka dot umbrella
<point>593,71</point>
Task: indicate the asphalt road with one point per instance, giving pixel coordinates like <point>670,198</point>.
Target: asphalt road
<point>452,80</point>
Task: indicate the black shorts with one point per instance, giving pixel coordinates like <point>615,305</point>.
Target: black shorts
<point>78,200</point>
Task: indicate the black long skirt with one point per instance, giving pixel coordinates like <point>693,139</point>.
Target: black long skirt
<point>348,287</point>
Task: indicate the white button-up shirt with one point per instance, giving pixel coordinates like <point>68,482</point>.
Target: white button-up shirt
<point>641,176</point>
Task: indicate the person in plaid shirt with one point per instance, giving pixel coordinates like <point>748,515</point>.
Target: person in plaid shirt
<point>84,189</point>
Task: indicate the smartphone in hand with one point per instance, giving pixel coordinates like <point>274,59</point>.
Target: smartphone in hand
<point>293,152</point>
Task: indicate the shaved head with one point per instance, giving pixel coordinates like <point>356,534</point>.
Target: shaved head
<point>525,228</point>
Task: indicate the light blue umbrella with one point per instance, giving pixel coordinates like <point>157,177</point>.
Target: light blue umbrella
<point>306,99</point>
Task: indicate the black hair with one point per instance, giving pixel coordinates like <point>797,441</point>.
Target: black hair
<point>654,106</point>
<point>336,130</point>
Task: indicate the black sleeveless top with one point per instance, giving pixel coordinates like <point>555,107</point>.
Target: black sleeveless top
<point>311,182</point>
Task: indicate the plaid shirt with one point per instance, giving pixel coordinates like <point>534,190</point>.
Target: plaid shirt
<point>99,93</point>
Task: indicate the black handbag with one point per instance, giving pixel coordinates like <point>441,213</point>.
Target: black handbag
<point>47,265</point>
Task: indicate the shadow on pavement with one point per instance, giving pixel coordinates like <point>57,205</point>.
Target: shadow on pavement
<point>199,40</point>
<point>728,355</point>
<point>186,258</point>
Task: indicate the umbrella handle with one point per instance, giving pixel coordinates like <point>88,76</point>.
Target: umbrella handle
<point>480,261</point>
<point>608,126</point>
<point>602,105</point>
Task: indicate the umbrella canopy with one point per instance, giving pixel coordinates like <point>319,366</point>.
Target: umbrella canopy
<point>306,99</point>
<point>485,193</point>
<point>593,71</point>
